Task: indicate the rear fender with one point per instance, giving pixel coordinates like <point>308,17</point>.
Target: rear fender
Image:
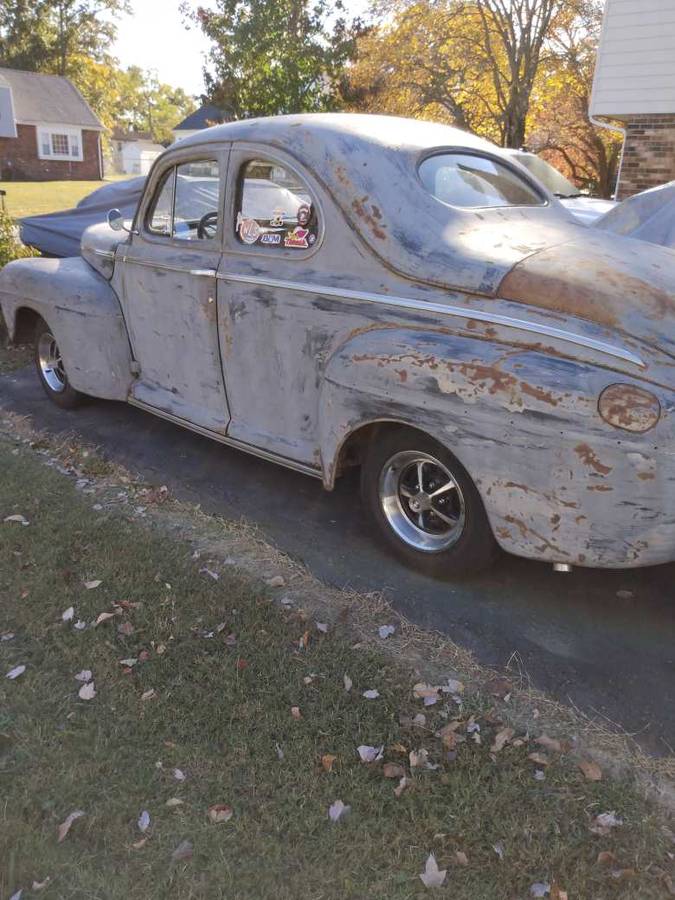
<point>84,314</point>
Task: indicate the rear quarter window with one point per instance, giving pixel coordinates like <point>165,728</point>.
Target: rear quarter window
<point>476,182</point>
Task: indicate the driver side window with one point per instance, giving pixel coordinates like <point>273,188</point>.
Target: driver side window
<point>187,204</point>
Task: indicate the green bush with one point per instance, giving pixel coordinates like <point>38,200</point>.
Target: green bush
<point>10,246</point>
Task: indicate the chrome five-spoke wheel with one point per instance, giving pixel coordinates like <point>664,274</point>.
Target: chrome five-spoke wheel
<point>422,501</point>
<point>50,363</point>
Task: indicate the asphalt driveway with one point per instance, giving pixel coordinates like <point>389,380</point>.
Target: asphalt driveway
<point>613,656</point>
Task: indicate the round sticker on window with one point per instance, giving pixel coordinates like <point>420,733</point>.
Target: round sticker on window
<point>304,214</point>
<point>249,230</point>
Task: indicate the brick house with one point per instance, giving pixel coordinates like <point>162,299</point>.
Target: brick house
<point>47,130</point>
<point>634,85</point>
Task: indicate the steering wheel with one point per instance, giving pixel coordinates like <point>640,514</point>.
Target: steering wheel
<point>208,226</point>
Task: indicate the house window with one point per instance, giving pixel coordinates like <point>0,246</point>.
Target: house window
<point>59,143</point>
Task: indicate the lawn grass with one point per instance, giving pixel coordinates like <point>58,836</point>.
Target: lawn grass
<point>32,198</point>
<point>221,713</point>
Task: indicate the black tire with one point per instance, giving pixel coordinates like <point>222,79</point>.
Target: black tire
<point>461,549</point>
<point>54,380</point>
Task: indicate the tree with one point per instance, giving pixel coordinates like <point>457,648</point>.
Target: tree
<point>274,56</point>
<point>148,105</point>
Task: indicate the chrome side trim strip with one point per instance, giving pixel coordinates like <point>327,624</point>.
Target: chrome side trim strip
<point>478,315</point>
<point>108,254</point>
<point>228,441</point>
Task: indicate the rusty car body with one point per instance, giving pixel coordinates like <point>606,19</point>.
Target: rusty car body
<point>503,375</point>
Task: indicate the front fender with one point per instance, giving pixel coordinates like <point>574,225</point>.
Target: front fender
<point>558,483</point>
<point>84,314</point>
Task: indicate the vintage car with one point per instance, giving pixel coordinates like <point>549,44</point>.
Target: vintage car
<point>407,300</point>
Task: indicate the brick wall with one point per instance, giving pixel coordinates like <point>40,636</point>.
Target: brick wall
<point>649,155</point>
<point>19,159</point>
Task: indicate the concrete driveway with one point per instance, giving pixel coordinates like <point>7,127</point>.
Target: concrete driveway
<point>570,634</point>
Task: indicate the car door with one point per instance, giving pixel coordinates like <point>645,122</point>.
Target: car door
<point>272,339</point>
<point>169,291</point>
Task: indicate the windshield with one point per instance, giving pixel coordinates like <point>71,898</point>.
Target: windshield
<point>472,181</point>
<point>550,177</point>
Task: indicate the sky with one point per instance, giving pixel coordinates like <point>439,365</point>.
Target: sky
<point>154,37</point>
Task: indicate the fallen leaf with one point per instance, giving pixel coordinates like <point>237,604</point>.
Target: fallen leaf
<point>549,743</point>
<point>461,858</point>
<point>126,629</point>
<point>183,851</point>
<point>623,874</point>
<point>393,770</point>
<point>144,821</point>
<point>419,721</point>
<point>539,775</point>
<point>210,573</point>
<point>499,687</point>
<point>370,754</point>
<point>591,770</point>
<point>327,761</point>
<point>448,736</point>
<point>371,695</point>
<point>179,775</point>
<point>85,675</point>
<point>104,617</point>
<point>173,802</point>
<point>15,672</point>
<point>385,630</point>
<point>432,876</point>
<point>87,691</point>
<point>558,893</point>
<point>41,885</point>
<point>539,758</point>
<point>501,739</point>
<point>91,585</point>
<point>280,752</point>
<point>499,849</point>
<point>143,656</point>
<point>322,627</point>
<point>338,810</point>
<point>453,686</point>
<point>540,889</point>
<point>242,664</point>
<point>606,858</point>
<point>129,663</point>
<point>347,682</point>
<point>64,827</point>
<point>220,812</point>
<point>431,701</point>
<point>303,643</point>
<point>138,845</point>
<point>68,614</point>
<point>149,695</point>
<point>80,625</point>
<point>276,581</point>
<point>295,712</point>
<point>402,785</point>
<point>603,823</point>
<point>472,727</point>
<point>7,636</point>
<point>422,690</point>
<point>19,520</point>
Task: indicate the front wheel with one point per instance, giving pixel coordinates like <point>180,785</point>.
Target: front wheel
<point>425,505</point>
<point>51,371</point>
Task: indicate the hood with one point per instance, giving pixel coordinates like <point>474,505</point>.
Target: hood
<point>618,283</point>
<point>587,209</point>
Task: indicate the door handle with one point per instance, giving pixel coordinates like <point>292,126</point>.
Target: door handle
<point>203,273</point>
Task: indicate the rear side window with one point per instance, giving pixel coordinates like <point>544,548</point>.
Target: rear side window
<point>472,181</point>
<point>187,202</point>
<point>275,209</point>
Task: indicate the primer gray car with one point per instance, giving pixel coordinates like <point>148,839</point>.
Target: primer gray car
<point>409,301</point>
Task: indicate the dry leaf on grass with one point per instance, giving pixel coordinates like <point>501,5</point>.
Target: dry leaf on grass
<point>347,682</point>
<point>129,663</point>
<point>173,802</point>
<point>557,893</point>
<point>421,691</point>
<point>327,761</point>
<point>501,739</point>
<point>433,877</point>
<point>15,672</point>
<point>295,712</point>
<point>179,775</point>
<point>68,614</point>
<point>461,858</point>
<point>17,520</point>
<point>402,785</point>
<point>540,889</point>
<point>448,736</point>
<point>453,686</point>
<point>338,810</point>
<point>92,585</point>
<point>144,821</point>
<point>549,743</point>
<point>385,630</point>
<point>183,851</point>
<point>64,827</point>
<point>371,695</point>
<point>85,675</point>
<point>219,813</point>
<point>499,849</point>
<point>393,770</point>
<point>276,581</point>
<point>138,845</point>
<point>87,691</point>
<point>126,629</point>
<point>41,885</point>
<point>104,617</point>
<point>539,758</point>
<point>322,627</point>
<point>606,858</point>
<point>591,770</point>
<point>370,754</point>
<point>419,759</point>
<point>149,695</point>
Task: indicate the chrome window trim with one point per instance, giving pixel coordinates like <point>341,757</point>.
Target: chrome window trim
<point>478,315</point>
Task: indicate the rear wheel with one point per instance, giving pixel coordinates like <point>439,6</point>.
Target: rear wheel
<point>425,505</point>
<point>51,371</point>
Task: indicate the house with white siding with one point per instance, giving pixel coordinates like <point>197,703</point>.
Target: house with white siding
<point>634,87</point>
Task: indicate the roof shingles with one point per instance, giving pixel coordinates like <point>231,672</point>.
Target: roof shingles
<point>48,99</point>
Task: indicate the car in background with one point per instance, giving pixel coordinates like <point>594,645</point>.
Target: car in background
<point>584,208</point>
